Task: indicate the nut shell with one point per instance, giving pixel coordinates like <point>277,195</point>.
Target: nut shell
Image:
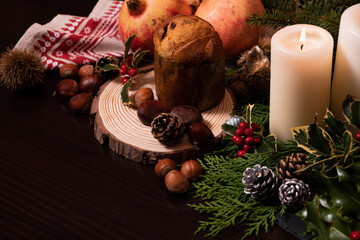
<point>143,95</point>
<point>90,83</point>
<point>201,135</point>
<point>68,71</point>
<point>176,182</point>
<point>66,89</point>
<point>188,114</point>
<point>164,166</point>
<point>80,103</point>
<point>86,70</point>
<point>148,110</point>
<point>191,169</point>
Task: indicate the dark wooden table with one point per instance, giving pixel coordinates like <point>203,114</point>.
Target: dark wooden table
<point>58,182</point>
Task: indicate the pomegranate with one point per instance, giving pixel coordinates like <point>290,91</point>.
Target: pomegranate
<point>145,16</point>
<point>228,17</point>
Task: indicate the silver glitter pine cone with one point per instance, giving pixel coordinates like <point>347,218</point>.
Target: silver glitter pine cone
<point>260,182</point>
<point>167,127</point>
<point>286,168</point>
<point>293,192</point>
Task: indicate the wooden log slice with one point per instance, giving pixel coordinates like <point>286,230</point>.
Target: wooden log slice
<point>118,126</point>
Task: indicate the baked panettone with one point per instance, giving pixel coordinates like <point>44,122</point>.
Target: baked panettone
<point>189,63</point>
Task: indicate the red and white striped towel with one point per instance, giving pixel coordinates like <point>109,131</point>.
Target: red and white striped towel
<point>79,40</point>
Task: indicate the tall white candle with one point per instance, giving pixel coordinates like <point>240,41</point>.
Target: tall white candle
<point>300,78</point>
<point>347,63</point>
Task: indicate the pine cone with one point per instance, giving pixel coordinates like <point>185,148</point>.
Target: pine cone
<point>167,127</point>
<point>293,192</point>
<point>287,167</point>
<point>260,182</point>
<point>103,71</point>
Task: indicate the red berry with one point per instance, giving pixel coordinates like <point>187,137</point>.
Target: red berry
<point>237,140</point>
<point>249,140</point>
<point>248,132</point>
<point>123,66</point>
<point>257,141</point>
<point>123,71</point>
<point>241,153</point>
<point>132,72</point>
<point>239,132</point>
<point>255,126</point>
<point>124,80</point>
<point>355,235</point>
<point>247,148</point>
<point>243,125</point>
<point>357,137</point>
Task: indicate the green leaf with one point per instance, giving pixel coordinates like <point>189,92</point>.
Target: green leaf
<point>232,124</point>
<point>355,113</point>
<point>346,107</point>
<point>268,144</point>
<point>138,57</point>
<point>124,93</point>
<point>350,174</point>
<point>335,126</point>
<point>109,67</point>
<point>319,139</point>
<point>248,113</point>
<point>128,45</point>
<point>348,143</point>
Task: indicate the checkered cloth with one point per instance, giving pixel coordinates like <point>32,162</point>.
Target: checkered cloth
<point>73,39</point>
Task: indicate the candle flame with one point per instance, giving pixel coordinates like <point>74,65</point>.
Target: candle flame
<point>302,38</point>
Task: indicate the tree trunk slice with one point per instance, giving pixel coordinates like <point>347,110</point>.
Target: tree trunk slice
<point>118,126</point>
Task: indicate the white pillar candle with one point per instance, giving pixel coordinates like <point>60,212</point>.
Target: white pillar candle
<point>300,78</point>
<point>347,63</point>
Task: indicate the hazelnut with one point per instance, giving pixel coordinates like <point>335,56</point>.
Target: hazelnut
<point>143,95</point>
<point>176,182</point>
<point>148,110</point>
<point>80,103</point>
<point>201,135</point>
<point>66,89</point>
<point>68,71</point>
<point>86,70</point>
<point>90,83</point>
<point>191,169</point>
<point>164,166</point>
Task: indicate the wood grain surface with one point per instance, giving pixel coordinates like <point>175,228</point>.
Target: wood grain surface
<point>58,182</point>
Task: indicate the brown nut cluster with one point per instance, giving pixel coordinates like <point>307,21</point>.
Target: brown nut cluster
<point>176,181</point>
<point>78,94</point>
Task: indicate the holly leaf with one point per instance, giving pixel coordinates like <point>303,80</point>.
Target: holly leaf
<point>268,144</point>
<point>301,135</point>
<point>350,174</point>
<point>355,113</point>
<point>109,67</point>
<point>320,140</point>
<point>346,107</point>
<point>348,143</point>
<point>128,45</point>
<point>124,93</point>
<point>335,126</point>
<point>138,57</point>
<point>232,124</point>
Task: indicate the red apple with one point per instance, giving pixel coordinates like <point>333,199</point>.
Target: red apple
<point>145,16</point>
<point>229,17</point>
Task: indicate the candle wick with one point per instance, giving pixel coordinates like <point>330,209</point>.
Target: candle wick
<point>301,47</point>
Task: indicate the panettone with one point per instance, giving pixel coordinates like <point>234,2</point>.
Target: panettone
<point>189,63</point>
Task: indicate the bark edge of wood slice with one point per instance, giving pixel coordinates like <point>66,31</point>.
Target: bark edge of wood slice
<point>117,126</point>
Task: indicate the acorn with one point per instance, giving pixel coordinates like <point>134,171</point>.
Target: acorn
<point>191,169</point>
<point>176,182</point>
<point>143,95</point>
<point>68,70</point>
<point>164,166</point>
<point>66,89</point>
<point>80,103</point>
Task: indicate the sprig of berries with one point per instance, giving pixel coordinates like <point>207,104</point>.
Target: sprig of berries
<point>246,138</point>
<point>127,72</point>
